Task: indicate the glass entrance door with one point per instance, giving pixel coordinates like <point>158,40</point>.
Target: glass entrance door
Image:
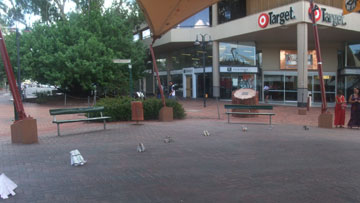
<point>188,86</point>
<point>282,87</point>
<point>315,90</point>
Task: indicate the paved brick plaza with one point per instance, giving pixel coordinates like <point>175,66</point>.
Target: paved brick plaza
<point>282,164</point>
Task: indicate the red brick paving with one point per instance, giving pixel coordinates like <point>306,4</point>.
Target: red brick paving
<point>284,114</point>
<point>194,110</point>
<point>38,111</point>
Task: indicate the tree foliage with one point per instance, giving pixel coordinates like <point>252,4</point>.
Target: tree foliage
<point>77,53</point>
<point>16,11</point>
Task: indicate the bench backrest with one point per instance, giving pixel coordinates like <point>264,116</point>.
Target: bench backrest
<point>239,106</point>
<point>76,110</point>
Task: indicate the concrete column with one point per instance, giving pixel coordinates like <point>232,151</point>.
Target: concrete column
<point>214,14</point>
<point>302,62</point>
<point>194,87</point>
<point>215,56</point>
<point>184,85</point>
<point>215,69</point>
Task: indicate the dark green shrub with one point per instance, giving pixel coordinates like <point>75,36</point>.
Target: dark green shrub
<point>119,109</point>
<point>151,107</point>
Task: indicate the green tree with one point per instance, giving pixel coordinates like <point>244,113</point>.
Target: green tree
<point>10,41</point>
<point>78,52</point>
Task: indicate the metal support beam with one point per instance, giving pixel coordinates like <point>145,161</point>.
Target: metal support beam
<point>318,55</point>
<point>11,78</point>
<point>157,74</point>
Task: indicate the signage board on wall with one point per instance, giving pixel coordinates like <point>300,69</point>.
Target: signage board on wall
<point>175,72</point>
<point>327,17</point>
<point>288,60</point>
<point>201,70</point>
<point>188,71</point>
<point>238,69</point>
<point>351,71</point>
<point>161,73</point>
<point>275,18</point>
<point>350,6</point>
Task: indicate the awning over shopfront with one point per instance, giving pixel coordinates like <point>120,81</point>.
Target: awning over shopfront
<point>162,15</point>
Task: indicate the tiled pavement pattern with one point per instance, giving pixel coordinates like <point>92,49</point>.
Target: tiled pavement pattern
<point>282,164</point>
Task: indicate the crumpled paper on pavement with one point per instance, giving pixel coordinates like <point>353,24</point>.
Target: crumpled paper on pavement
<point>7,186</point>
<point>76,159</point>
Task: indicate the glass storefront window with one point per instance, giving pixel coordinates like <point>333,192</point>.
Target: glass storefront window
<point>177,80</point>
<point>330,88</point>
<point>226,86</point>
<point>237,54</point>
<point>136,37</point>
<point>329,81</point>
<point>276,85</point>
<point>310,83</point>
<point>350,83</point>
<point>282,87</point>
<point>161,63</point>
<point>259,62</point>
<point>199,20</point>
<point>234,81</point>
<point>291,88</point>
<point>353,55</point>
<point>290,82</point>
<point>190,57</point>
<point>230,10</point>
<point>330,97</point>
<point>200,84</point>
<point>164,83</point>
<point>146,33</point>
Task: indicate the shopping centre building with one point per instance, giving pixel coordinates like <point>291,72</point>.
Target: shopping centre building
<point>256,43</point>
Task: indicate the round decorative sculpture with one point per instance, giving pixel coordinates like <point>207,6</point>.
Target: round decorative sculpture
<point>245,96</point>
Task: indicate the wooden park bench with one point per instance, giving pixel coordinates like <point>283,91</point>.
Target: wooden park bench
<point>88,110</point>
<point>229,107</point>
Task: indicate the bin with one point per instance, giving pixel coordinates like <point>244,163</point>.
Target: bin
<point>137,111</point>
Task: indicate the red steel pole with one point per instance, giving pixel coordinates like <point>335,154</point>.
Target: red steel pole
<point>157,75</point>
<point>318,56</point>
<point>11,78</point>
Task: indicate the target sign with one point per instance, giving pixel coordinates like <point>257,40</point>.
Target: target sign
<point>317,14</point>
<point>263,20</point>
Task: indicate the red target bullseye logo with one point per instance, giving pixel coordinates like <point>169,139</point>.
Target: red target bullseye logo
<point>263,20</point>
<point>317,14</point>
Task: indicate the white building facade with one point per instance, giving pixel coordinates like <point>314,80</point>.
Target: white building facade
<point>256,45</point>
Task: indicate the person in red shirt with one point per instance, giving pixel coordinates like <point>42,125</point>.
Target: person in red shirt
<point>340,110</point>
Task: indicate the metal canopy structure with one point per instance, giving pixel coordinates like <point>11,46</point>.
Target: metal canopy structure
<point>162,15</point>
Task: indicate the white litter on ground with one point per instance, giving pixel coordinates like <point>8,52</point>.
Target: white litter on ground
<point>206,133</point>
<point>76,159</point>
<point>7,186</point>
<point>140,147</point>
<point>168,139</point>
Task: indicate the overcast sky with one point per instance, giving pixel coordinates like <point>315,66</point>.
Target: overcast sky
<point>69,6</point>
